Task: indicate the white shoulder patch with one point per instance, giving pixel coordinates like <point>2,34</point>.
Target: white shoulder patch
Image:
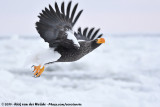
<point>71,36</point>
<point>81,40</point>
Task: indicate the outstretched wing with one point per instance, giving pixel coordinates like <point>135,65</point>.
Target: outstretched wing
<point>54,23</point>
<point>87,35</point>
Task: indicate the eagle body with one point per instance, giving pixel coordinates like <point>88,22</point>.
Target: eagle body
<point>72,54</point>
<point>56,25</point>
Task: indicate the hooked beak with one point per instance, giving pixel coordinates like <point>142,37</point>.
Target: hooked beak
<point>101,40</point>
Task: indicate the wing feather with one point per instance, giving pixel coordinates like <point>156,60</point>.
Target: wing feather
<point>62,9</point>
<point>74,10</point>
<point>52,11</point>
<point>77,17</point>
<point>100,36</point>
<point>87,37</point>
<point>57,10</point>
<point>53,23</point>
<point>68,10</point>
<point>90,32</point>
<point>85,31</point>
<point>95,33</point>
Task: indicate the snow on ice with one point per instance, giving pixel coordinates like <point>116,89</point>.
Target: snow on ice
<point>124,72</point>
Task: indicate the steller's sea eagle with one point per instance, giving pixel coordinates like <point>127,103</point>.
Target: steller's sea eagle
<point>55,26</point>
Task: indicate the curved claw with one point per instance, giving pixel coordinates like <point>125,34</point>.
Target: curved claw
<point>35,76</point>
<point>32,66</point>
<point>38,70</point>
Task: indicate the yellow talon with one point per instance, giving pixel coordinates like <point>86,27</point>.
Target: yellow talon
<point>38,70</point>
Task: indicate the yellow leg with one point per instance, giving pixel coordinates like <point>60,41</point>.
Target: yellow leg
<point>38,71</point>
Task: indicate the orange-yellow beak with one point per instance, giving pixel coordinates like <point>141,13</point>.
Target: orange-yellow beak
<point>101,40</point>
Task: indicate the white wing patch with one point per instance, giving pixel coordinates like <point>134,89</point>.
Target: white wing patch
<point>72,37</point>
<point>81,40</point>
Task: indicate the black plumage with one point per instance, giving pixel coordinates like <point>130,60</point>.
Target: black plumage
<point>53,27</point>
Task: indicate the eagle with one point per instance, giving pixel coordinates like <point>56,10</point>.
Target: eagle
<point>55,26</point>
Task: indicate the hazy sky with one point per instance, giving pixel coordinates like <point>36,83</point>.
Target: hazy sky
<point>112,16</point>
